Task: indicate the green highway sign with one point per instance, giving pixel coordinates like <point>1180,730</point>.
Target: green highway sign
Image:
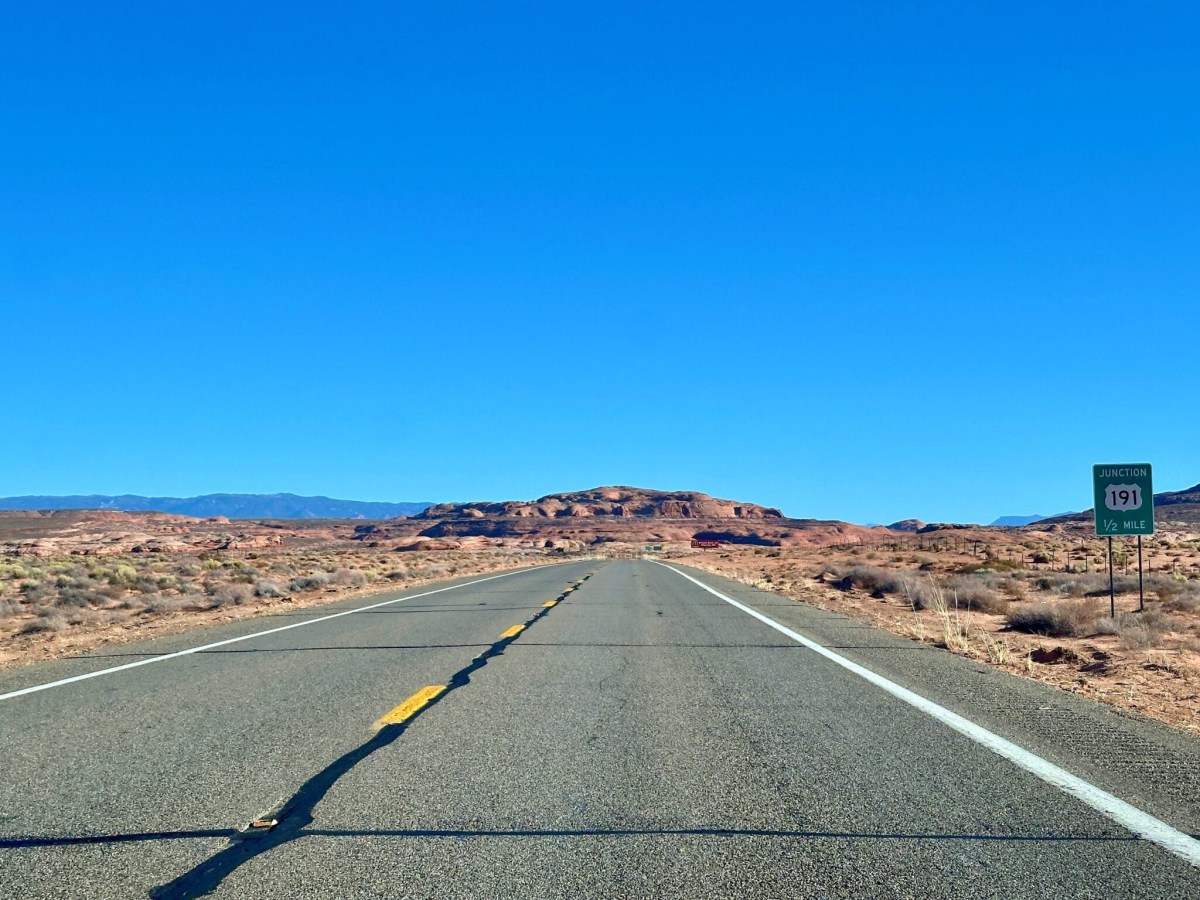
<point>1124,499</point>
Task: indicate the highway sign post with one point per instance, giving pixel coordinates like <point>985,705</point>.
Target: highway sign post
<point>1123,497</point>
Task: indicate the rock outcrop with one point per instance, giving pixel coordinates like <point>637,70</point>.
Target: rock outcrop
<point>614,502</point>
<point>607,515</point>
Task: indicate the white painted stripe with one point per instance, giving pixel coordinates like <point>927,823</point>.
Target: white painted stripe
<point>1140,823</point>
<point>163,658</point>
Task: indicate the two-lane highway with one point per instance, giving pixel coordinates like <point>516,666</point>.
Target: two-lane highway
<point>643,735</point>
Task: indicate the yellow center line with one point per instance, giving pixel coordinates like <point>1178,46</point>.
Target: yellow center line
<point>427,695</point>
<point>410,707</point>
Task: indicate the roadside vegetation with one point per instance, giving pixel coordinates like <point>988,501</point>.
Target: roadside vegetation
<point>45,603</point>
<point>1050,604</point>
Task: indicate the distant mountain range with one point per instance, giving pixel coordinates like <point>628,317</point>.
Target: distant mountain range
<point>1016,521</point>
<point>231,506</point>
<point>1171,508</point>
<point>1176,508</point>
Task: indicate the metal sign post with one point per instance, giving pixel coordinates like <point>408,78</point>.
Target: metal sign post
<point>1141,589</point>
<point>1112,594</point>
<point>1124,505</point>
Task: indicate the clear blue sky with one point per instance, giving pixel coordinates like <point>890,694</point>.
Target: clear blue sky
<point>856,260</point>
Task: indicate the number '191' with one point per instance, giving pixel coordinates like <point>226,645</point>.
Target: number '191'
<point>1126,498</point>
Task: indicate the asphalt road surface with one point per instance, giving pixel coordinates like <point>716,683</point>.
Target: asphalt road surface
<point>641,736</point>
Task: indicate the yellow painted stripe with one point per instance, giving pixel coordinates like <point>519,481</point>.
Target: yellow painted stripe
<point>513,632</point>
<point>549,603</point>
<point>411,706</point>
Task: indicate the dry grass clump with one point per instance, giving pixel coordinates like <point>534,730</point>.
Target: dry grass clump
<point>1177,596</point>
<point>1138,631</point>
<point>977,593</point>
<point>46,620</point>
<point>1185,603</point>
<point>164,603</point>
<point>992,563</point>
<point>955,620</point>
<point>872,579</point>
<point>309,582</point>
<point>1060,618</point>
<point>232,594</point>
<point>350,577</point>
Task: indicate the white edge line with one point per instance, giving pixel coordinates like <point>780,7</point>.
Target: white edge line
<point>1140,823</point>
<point>246,637</point>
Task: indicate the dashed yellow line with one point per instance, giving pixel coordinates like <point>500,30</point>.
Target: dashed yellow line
<point>411,706</point>
<point>427,695</point>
